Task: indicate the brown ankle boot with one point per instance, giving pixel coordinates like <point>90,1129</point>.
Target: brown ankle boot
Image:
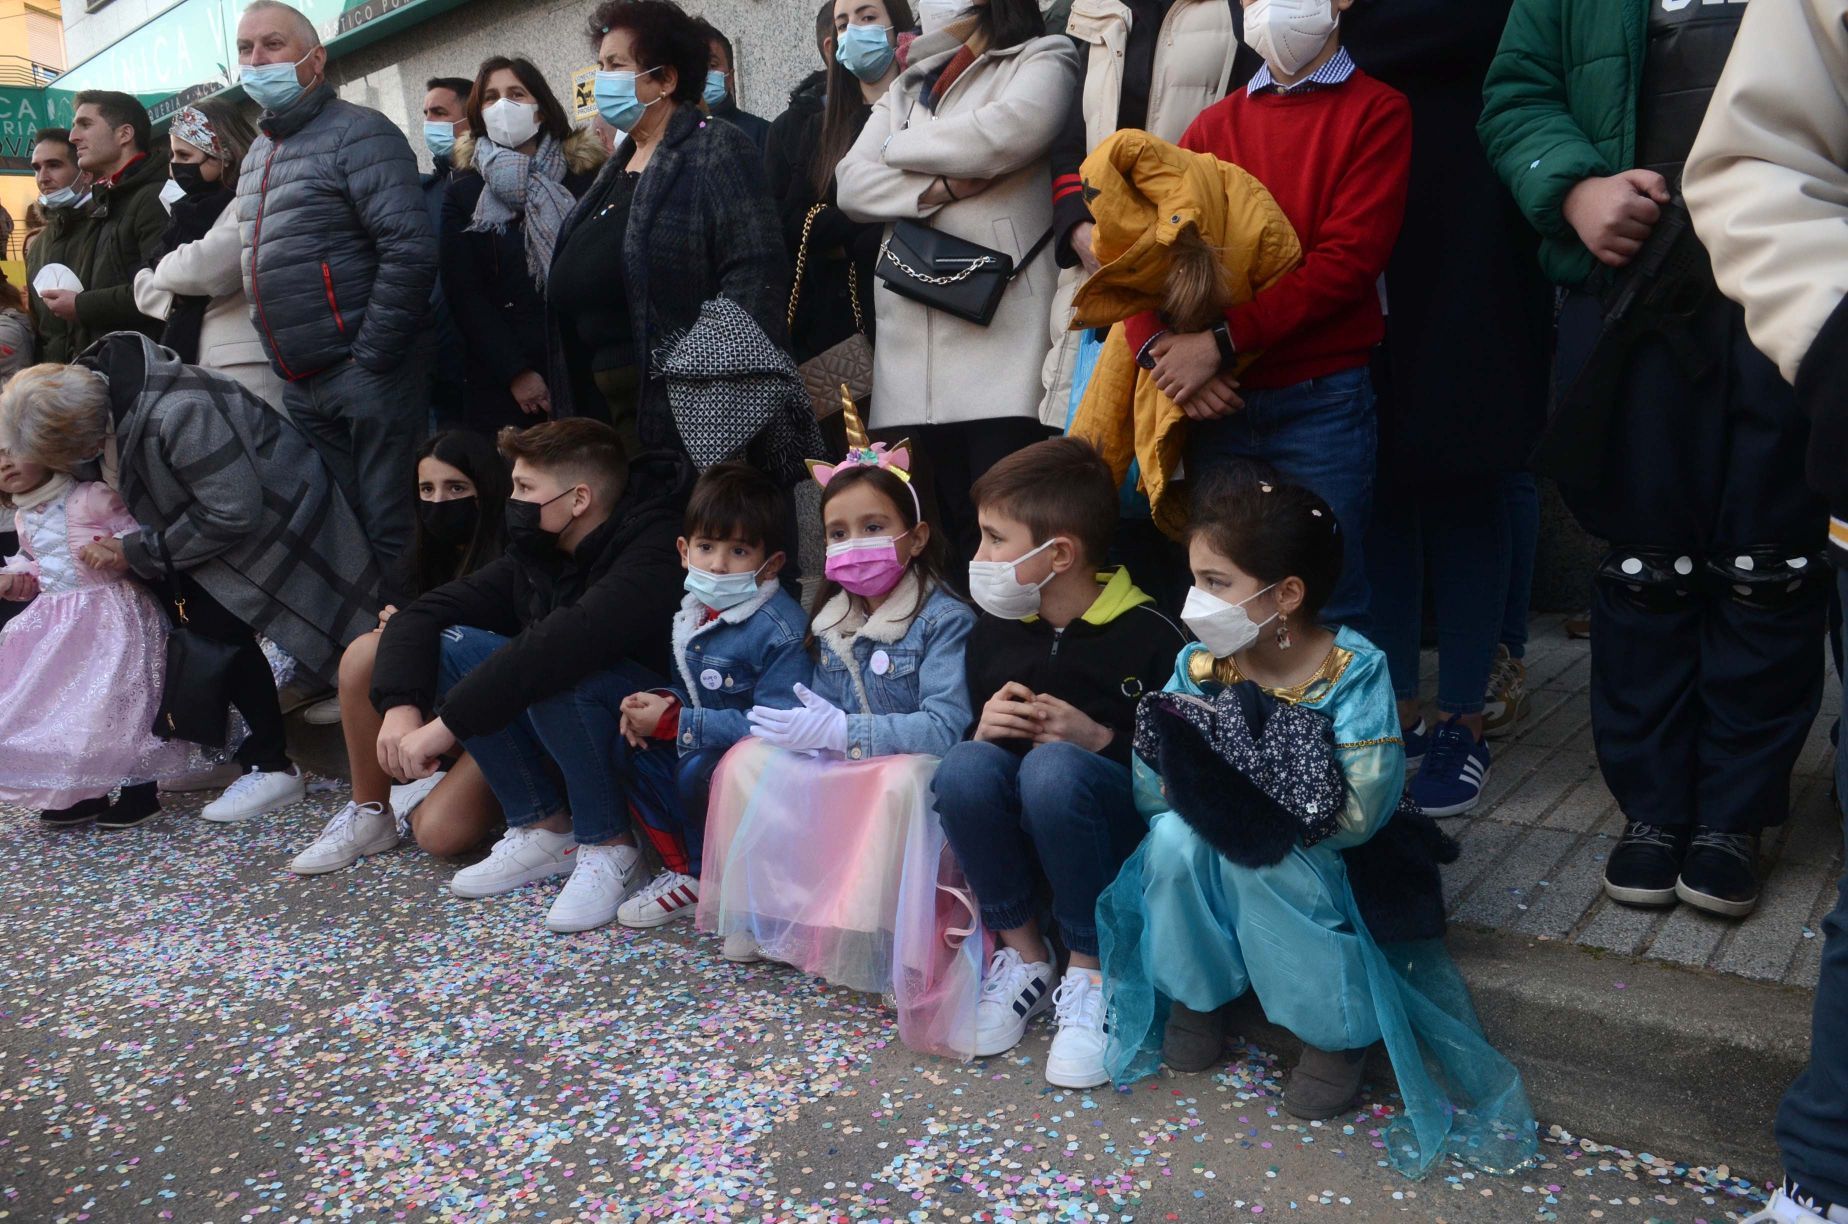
<point>1324,1083</point>
<point>1193,1040</point>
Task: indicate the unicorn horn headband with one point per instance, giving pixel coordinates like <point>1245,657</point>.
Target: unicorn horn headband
<point>863,452</point>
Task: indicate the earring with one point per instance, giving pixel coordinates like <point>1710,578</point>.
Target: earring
<point>1284,641</point>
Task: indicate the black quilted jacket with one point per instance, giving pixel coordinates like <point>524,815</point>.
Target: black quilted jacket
<point>339,256</point>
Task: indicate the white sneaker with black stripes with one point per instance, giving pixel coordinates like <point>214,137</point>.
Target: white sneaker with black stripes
<point>668,896</point>
<point>1013,992</point>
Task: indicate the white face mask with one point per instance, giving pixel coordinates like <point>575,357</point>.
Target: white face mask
<point>998,591</point>
<point>1289,33</point>
<point>933,15</point>
<point>1223,628</point>
<point>510,124</point>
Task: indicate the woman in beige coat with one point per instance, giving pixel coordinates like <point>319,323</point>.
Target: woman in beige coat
<point>198,284</point>
<point>961,142</point>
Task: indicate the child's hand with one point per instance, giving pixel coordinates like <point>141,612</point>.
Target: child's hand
<point>1008,715</point>
<point>105,555</point>
<point>641,714</point>
<point>385,615</point>
<point>18,587</point>
<point>1061,722</point>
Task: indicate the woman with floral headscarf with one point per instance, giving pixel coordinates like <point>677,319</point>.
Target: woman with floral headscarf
<point>196,280</point>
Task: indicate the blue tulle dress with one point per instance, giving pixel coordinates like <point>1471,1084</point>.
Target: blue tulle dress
<point>1183,923</point>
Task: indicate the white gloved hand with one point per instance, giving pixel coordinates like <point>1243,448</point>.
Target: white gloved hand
<point>818,724</point>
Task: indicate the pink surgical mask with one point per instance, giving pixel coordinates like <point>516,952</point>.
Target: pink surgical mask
<point>868,566</point>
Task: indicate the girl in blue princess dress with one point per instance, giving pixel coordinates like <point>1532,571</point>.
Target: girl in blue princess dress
<point>1297,804</point>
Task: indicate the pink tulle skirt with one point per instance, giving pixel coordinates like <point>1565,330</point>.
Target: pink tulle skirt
<point>80,680</point>
<point>808,856</point>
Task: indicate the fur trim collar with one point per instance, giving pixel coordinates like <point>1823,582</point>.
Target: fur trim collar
<point>687,627</point>
<point>583,152</point>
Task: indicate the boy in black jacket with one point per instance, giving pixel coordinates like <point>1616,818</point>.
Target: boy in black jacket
<point>530,658</point>
<point>1042,790</point>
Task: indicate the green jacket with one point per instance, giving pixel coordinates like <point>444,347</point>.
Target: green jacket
<point>61,241</point>
<point>126,224</point>
<point>1559,106</point>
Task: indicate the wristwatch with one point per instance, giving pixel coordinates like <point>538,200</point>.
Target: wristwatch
<point>1222,336</point>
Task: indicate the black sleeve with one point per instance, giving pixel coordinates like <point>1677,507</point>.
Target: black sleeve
<point>1161,642</point>
<point>468,283</point>
<point>628,611</point>
<point>405,670</point>
<point>1822,390</point>
<point>1068,153</point>
<point>1435,39</point>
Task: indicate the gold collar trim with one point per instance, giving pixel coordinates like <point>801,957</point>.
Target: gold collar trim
<point>1203,668</point>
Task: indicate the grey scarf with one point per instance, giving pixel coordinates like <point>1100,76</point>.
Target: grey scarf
<point>525,187</point>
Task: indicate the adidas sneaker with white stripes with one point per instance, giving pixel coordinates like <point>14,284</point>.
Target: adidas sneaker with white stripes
<point>1456,768</point>
<point>1013,992</point>
<point>668,896</point>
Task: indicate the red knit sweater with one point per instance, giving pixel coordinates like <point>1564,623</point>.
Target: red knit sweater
<point>1336,161</point>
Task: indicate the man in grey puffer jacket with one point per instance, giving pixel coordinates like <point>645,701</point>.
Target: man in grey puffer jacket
<point>339,263</point>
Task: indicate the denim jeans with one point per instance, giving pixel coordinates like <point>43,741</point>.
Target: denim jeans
<point>693,785</point>
<point>1521,501</point>
<point>606,781</point>
<point>1812,1124</point>
<point>1058,812</point>
<point>1322,434</point>
<point>1464,547</point>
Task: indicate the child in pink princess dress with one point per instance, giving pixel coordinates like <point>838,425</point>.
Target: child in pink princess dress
<point>81,667</point>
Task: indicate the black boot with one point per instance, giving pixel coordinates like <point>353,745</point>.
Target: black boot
<point>1643,867</point>
<point>1720,873</point>
<point>76,814</point>
<point>137,805</point>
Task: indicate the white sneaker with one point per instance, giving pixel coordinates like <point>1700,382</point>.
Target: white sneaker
<point>602,881</point>
<point>521,856</point>
<point>1076,1059</point>
<point>322,713</point>
<point>408,795</point>
<point>668,896</point>
<point>1014,990</point>
<point>741,948</point>
<point>357,830</point>
<point>211,778</point>
<point>1782,1209</point>
<point>257,793</point>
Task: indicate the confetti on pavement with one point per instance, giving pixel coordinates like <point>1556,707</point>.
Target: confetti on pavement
<point>193,1034</point>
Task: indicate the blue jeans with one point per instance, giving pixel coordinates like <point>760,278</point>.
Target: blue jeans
<point>1812,1124</point>
<point>1322,434</point>
<point>577,731</point>
<point>1058,812</point>
<point>1464,547</point>
<point>1521,501</point>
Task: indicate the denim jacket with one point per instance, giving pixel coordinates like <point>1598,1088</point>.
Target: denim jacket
<point>750,655</point>
<point>898,673</point>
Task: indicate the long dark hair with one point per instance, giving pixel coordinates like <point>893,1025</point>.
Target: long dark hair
<point>1008,23</point>
<point>552,118</point>
<point>845,112</point>
<point>432,562</point>
<point>927,564</point>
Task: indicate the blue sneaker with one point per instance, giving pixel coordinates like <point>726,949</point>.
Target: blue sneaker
<point>1417,741</point>
<point>1455,769</point>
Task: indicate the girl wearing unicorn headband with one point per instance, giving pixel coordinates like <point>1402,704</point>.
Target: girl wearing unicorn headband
<point>811,821</point>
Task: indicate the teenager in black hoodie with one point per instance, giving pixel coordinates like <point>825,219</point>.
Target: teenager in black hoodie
<point>529,659</point>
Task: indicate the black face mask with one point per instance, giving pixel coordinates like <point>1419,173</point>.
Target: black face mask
<point>451,523</point>
<point>524,534</point>
<point>191,177</point>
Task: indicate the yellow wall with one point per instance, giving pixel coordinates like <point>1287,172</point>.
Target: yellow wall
<point>32,30</point>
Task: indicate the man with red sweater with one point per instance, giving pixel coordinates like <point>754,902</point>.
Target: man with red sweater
<point>1334,148</point>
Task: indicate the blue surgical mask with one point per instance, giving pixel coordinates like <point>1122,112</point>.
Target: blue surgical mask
<point>272,86</point>
<point>721,591</point>
<point>716,88</point>
<point>865,51</point>
<point>439,137</point>
<point>616,100</point>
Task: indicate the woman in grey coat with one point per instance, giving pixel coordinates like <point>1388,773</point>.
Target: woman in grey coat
<point>238,518</point>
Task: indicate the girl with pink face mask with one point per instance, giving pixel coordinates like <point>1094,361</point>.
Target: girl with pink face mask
<point>811,821</point>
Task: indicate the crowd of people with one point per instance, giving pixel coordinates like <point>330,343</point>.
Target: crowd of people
<point>1148,363</point>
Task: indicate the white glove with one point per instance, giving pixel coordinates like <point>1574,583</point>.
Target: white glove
<point>818,724</point>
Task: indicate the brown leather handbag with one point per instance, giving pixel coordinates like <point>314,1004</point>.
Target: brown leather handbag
<point>849,363</point>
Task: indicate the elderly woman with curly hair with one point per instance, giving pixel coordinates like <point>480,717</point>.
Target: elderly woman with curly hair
<point>234,513</point>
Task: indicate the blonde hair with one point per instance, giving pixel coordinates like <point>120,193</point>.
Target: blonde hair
<point>55,415</point>
<point>1198,291</point>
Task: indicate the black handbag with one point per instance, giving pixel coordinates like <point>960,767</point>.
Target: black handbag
<point>195,696</point>
<point>947,273</point>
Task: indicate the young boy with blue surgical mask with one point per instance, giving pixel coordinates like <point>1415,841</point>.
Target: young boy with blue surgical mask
<point>737,644</point>
<point>1041,790</point>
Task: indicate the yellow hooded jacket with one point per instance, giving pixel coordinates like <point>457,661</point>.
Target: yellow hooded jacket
<point>1142,192</point>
